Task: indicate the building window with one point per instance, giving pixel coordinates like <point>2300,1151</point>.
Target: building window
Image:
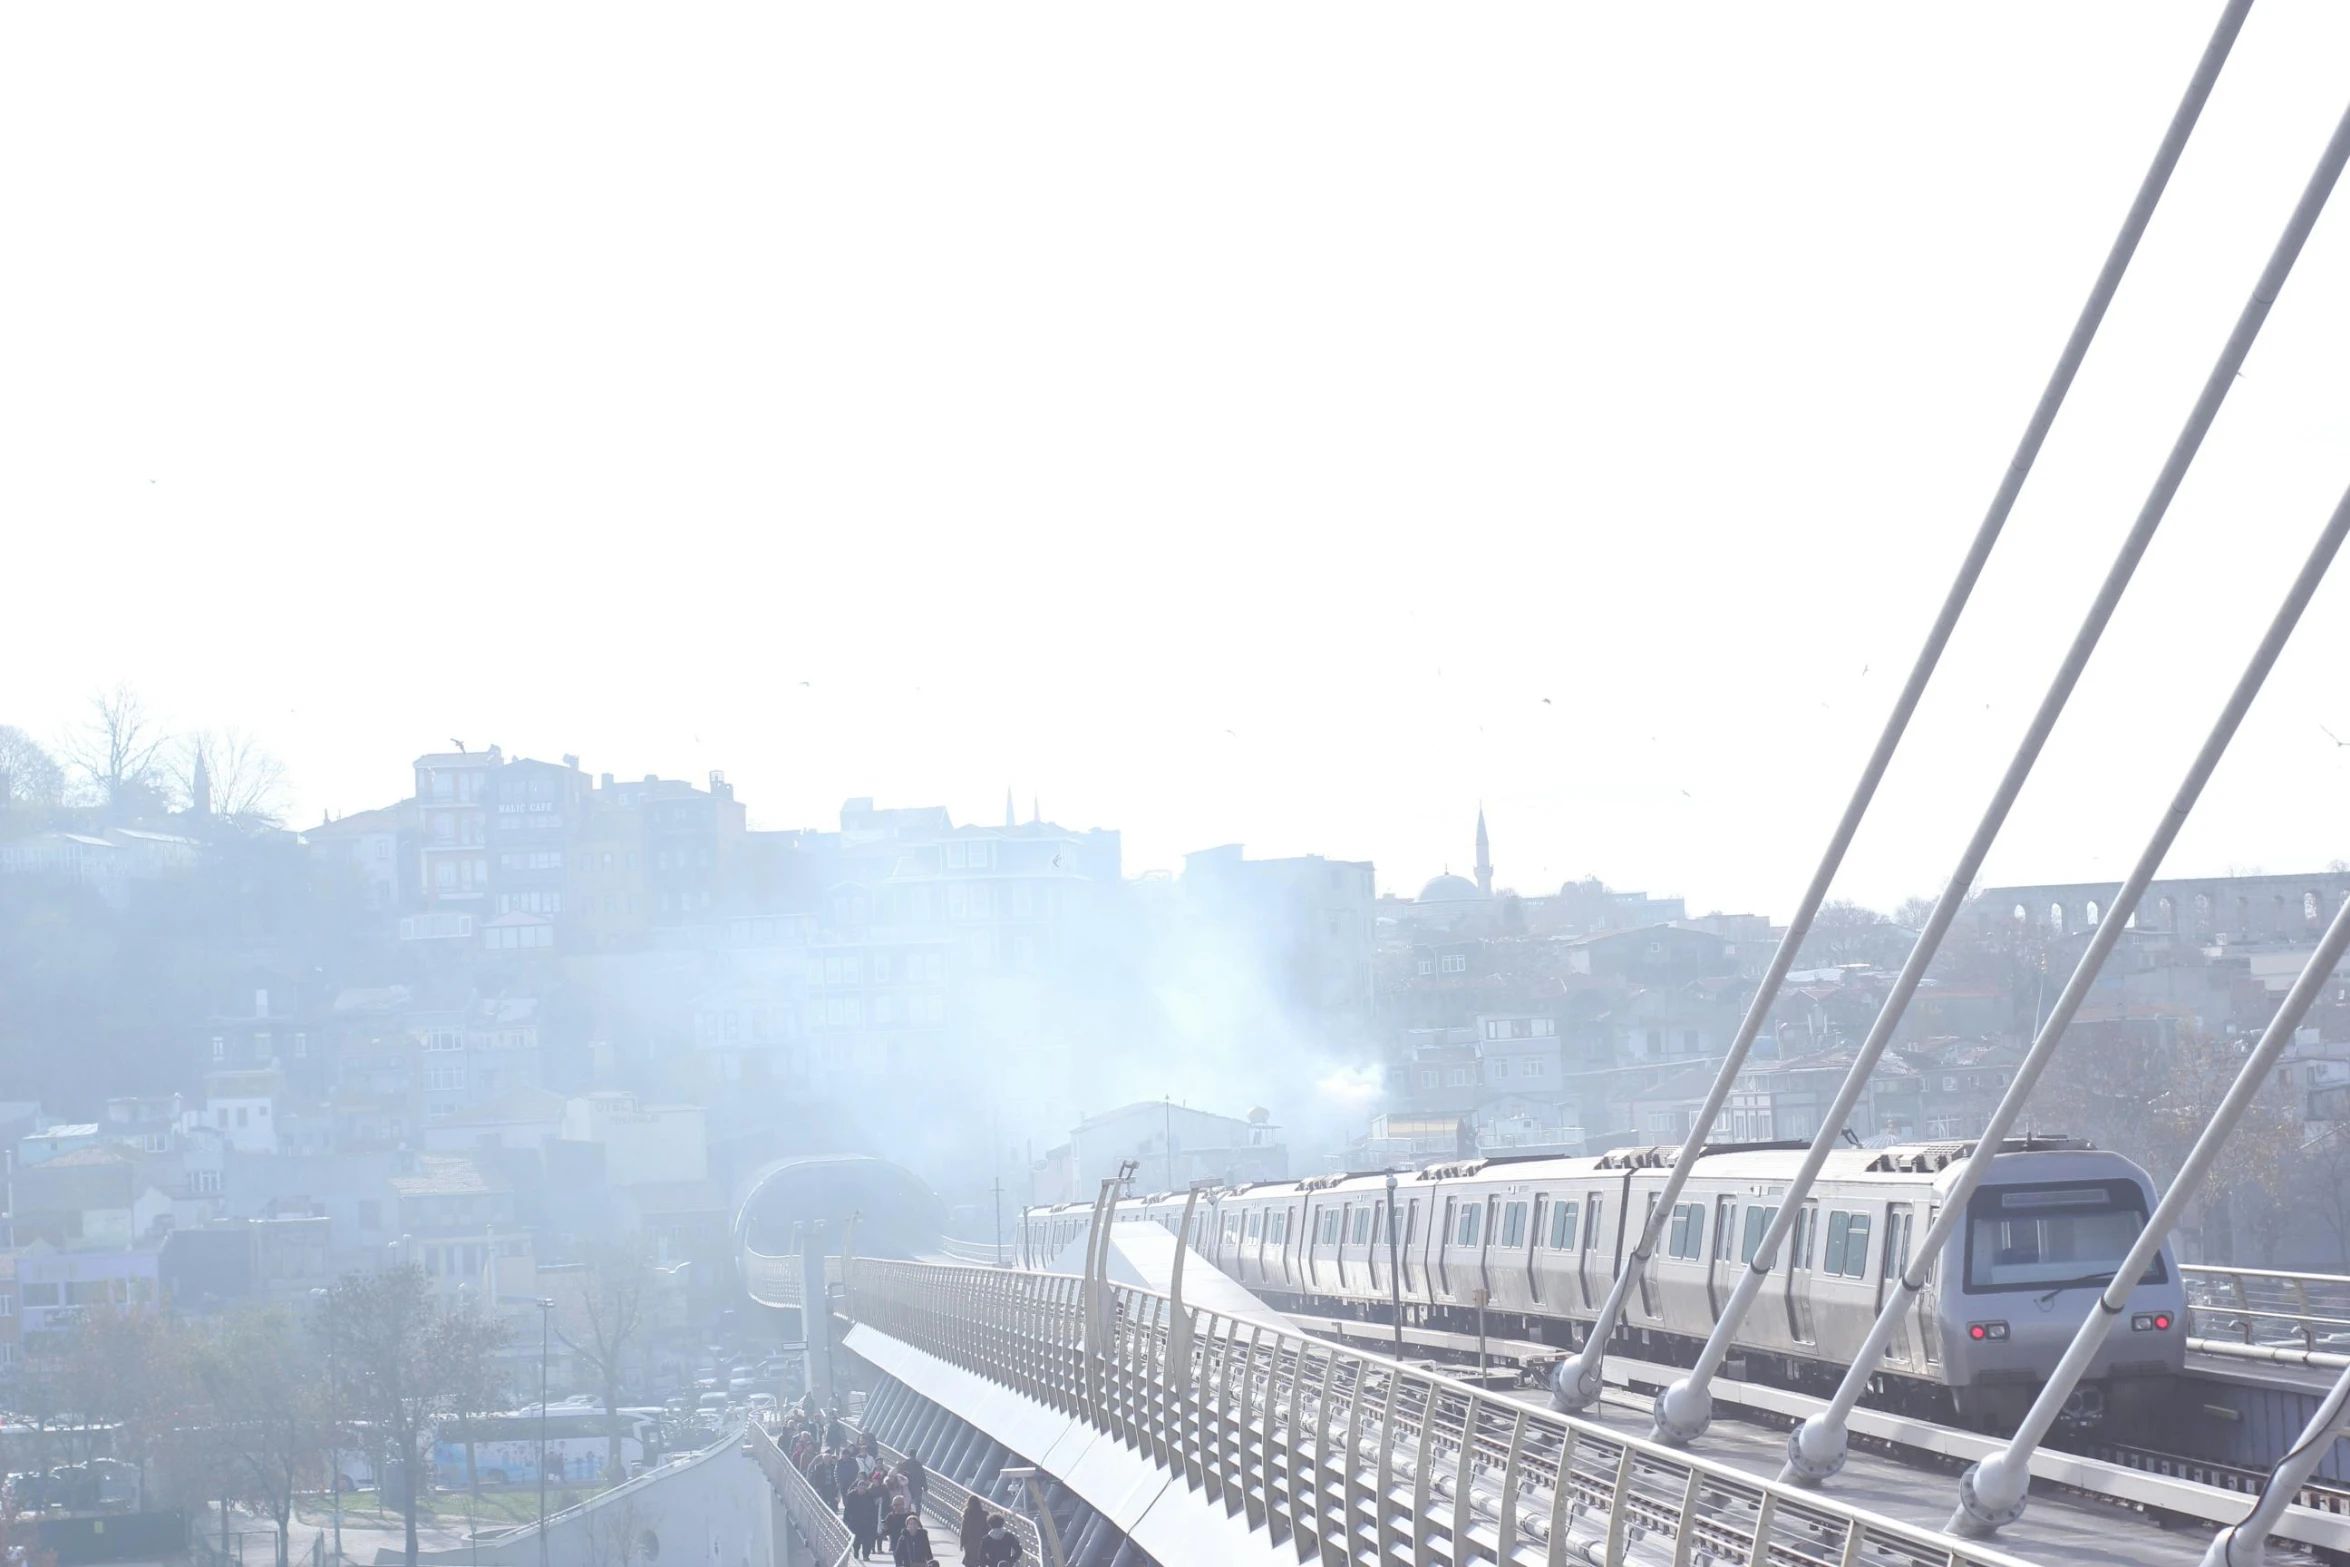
<point>1545,1028</point>
<point>1501,1068</point>
<point>1455,963</point>
<point>1533,1066</point>
<point>219,1048</point>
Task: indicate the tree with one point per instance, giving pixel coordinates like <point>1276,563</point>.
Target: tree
<point>621,1533</point>
<point>1845,932</point>
<point>2326,1160</point>
<point>119,748</point>
<point>2149,1098</point>
<point>29,775</point>
<point>388,1350</point>
<point>598,1325</point>
<point>241,782</point>
<point>473,1346</point>
<point>274,1421</point>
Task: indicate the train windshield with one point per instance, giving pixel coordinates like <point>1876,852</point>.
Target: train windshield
<point>2053,1235</point>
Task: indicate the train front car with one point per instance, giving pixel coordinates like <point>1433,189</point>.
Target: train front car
<point>2042,1237</point>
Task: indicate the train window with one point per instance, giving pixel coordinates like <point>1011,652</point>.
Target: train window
<point>1562,1227</point>
<point>1807,1219</point>
<point>1329,1235</point>
<point>1513,1224</point>
<point>1688,1235</point>
<point>1411,1222</point>
<point>1277,1228</point>
<point>1758,1221</point>
<point>2025,1237</point>
<point>1362,1235</point>
<point>1593,1207</point>
<point>1256,1225</point>
<point>1847,1254</point>
<point>1466,1234</point>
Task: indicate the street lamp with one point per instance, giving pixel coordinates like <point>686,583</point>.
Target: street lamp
<point>334,1460</point>
<point>546,1306</point>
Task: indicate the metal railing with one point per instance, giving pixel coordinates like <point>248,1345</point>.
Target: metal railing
<point>938,1487</point>
<point>2267,1314</point>
<point>775,1281</point>
<point>980,1254</point>
<point>1367,1459</point>
<point>817,1523</point>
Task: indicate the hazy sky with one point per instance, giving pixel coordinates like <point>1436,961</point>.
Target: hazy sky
<point>1288,424</point>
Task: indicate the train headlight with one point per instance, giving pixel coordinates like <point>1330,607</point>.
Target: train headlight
<point>1979,1331</point>
<point>2150,1322</point>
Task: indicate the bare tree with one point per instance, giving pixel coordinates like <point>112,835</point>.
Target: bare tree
<point>472,1348</point>
<point>275,1422</point>
<point>29,775</point>
<point>621,1532</point>
<point>119,749</point>
<point>240,780</point>
<point>599,1325</point>
<point>387,1347</point>
<point>2325,1163</point>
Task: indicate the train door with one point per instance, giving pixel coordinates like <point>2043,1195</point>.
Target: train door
<point>1799,1244</point>
<point>1411,1229</point>
<point>1485,1245</point>
<point>1594,1207</point>
<point>1442,1239</point>
<point>1533,1250</point>
<point>1648,1268</point>
<point>1720,1272</point>
<point>1897,1222</point>
<point>1929,1323</point>
<point>1346,1222</point>
<point>1378,1246</point>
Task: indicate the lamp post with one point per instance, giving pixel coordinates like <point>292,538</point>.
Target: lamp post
<point>546,1306</point>
<point>334,1458</point>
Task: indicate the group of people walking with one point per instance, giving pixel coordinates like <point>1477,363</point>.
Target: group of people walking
<point>883,1505</point>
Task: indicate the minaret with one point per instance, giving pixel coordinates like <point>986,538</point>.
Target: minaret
<point>1008,821</point>
<point>200,787</point>
<point>1484,857</point>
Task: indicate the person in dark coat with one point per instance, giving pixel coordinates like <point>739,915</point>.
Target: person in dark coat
<point>999,1547</point>
<point>914,1544</point>
<point>973,1534</point>
<point>862,1513</point>
<point>917,1481</point>
<point>823,1478</point>
<point>893,1523</point>
<point>844,1471</point>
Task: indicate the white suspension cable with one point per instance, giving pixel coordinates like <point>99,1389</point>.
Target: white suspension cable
<point>1684,1409</point>
<point>1992,1493</point>
<point>1816,1449</point>
<point>1576,1383</point>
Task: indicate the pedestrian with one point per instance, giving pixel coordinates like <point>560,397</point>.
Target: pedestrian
<point>914,1544</point>
<point>917,1480</point>
<point>844,1471</point>
<point>825,1481</point>
<point>974,1531</point>
<point>999,1547</point>
<point>893,1525</point>
<point>836,1435</point>
<point>862,1513</point>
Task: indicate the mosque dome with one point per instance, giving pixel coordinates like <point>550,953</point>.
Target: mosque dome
<point>1450,889</point>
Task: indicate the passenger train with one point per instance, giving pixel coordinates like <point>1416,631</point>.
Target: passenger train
<point>1544,1237</point>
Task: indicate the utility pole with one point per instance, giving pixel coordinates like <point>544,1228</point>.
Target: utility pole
<point>999,1221</point>
<point>1168,1105</point>
<point>546,1307</point>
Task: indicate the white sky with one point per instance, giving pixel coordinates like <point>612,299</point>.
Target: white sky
<point>1224,422</point>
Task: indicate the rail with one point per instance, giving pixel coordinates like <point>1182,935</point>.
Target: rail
<point>2266,1314</point>
<point>775,1281</point>
<point>818,1524</point>
<point>957,1497</point>
<point>980,1254</point>
<point>1356,1457</point>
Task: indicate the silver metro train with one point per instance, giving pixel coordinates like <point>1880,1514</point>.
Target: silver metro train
<point>1543,1238</point>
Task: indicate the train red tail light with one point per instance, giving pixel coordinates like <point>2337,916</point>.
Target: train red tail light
<point>2150,1322</point>
<point>1979,1331</point>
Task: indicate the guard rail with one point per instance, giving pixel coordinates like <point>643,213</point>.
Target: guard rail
<point>818,1524</point>
<point>1355,1457</point>
<point>2267,1314</point>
